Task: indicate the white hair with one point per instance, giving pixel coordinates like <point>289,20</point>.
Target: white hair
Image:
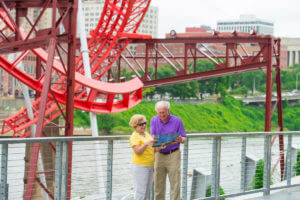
<point>162,104</point>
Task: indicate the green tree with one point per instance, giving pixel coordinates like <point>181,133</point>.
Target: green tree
<point>297,124</point>
<point>184,90</point>
<point>251,80</point>
<point>149,92</point>
<point>207,85</point>
<point>218,85</point>
<point>81,118</point>
<point>164,72</point>
<point>244,90</point>
<point>288,78</point>
<point>106,122</point>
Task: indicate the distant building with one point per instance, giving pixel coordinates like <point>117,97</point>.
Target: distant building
<point>192,32</point>
<point>9,86</point>
<point>292,46</point>
<point>202,28</point>
<point>92,11</point>
<point>245,24</point>
<point>149,25</point>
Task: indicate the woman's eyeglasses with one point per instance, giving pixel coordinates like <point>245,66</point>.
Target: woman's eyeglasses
<point>142,124</point>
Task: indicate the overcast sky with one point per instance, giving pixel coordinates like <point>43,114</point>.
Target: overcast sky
<point>178,14</point>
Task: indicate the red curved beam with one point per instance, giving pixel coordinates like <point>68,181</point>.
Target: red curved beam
<point>118,19</point>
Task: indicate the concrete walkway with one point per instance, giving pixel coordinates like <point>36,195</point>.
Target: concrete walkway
<point>281,194</point>
<point>293,195</point>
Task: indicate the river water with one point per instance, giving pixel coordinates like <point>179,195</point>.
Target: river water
<point>88,172</point>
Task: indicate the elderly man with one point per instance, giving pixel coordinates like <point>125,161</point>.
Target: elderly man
<point>168,159</point>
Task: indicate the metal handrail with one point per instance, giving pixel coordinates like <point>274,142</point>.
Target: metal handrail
<point>126,137</point>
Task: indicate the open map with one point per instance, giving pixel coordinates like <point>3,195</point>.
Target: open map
<point>165,139</point>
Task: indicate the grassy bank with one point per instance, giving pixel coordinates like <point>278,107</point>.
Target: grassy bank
<point>230,115</point>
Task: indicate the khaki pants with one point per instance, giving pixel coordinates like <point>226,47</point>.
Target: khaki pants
<point>170,165</point>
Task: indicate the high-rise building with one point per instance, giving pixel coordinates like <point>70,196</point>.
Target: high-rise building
<point>149,25</point>
<point>245,24</point>
<point>92,11</point>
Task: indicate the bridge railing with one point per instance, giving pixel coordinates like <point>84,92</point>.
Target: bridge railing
<point>221,164</point>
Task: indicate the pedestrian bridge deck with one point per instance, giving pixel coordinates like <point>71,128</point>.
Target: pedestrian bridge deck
<point>288,195</point>
<point>219,160</point>
<point>282,194</point>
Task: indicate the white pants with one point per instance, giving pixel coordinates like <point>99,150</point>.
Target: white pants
<point>142,179</point>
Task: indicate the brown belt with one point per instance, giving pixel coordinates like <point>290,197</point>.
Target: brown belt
<point>169,152</point>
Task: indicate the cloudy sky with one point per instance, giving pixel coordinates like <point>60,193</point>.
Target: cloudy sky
<point>178,14</point>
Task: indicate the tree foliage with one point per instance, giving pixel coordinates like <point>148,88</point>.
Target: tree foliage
<point>106,123</point>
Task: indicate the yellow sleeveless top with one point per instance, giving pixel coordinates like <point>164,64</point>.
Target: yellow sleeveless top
<point>147,157</point>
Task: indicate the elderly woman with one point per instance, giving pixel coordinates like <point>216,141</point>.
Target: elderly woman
<point>142,157</point>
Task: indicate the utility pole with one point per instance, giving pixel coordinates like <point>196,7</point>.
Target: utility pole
<point>297,81</point>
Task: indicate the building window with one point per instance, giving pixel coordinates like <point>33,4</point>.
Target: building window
<point>294,57</point>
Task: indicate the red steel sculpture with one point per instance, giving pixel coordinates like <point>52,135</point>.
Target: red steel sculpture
<point>116,28</point>
<point>119,19</point>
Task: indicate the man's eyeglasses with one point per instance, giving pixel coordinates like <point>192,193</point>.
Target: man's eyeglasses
<point>142,124</point>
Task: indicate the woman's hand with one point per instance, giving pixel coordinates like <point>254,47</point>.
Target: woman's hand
<point>139,149</point>
<point>150,142</point>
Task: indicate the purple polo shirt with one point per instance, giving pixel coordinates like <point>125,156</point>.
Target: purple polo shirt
<point>173,124</point>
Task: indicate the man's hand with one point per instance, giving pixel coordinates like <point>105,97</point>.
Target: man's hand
<point>157,149</point>
<point>180,139</point>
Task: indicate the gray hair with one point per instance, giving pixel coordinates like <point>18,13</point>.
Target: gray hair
<point>162,104</point>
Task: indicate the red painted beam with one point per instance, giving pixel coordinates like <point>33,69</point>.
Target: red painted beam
<point>204,75</point>
<point>40,122</point>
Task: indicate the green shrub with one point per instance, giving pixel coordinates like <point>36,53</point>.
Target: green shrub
<point>296,167</point>
<point>258,178</point>
<point>208,192</point>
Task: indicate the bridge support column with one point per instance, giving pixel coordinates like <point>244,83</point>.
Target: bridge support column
<point>216,161</point>
<point>3,179</point>
<point>267,165</point>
